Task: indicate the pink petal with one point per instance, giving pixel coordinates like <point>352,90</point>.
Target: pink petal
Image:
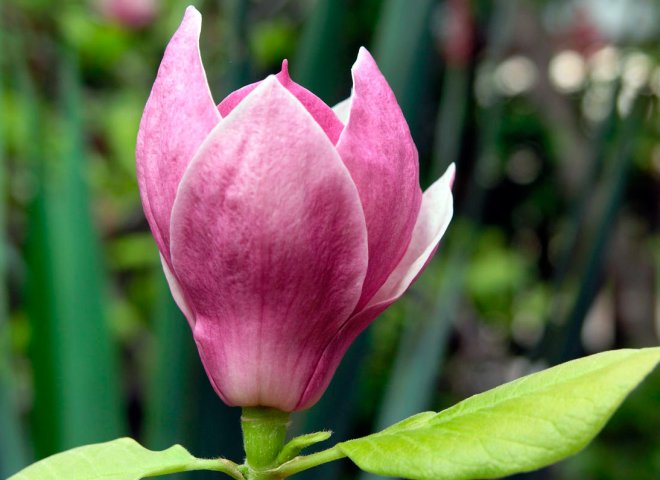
<point>378,150</point>
<point>234,98</point>
<point>323,114</point>
<point>434,217</point>
<point>177,293</point>
<point>269,242</point>
<point>178,116</point>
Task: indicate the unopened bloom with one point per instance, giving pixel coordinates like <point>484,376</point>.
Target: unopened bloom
<point>129,13</point>
<point>284,227</point>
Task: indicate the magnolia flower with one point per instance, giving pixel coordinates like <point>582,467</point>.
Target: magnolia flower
<point>284,226</point>
<point>130,13</point>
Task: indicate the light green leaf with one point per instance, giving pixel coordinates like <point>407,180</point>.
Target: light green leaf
<point>410,422</point>
<point>297,444</point>
<point>121,459</point>
<point>520,426</point>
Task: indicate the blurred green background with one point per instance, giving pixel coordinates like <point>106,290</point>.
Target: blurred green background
<point>548,108</point>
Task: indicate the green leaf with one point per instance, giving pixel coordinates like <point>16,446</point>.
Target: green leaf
<point>297,444</point>
<point>121,459</point>
<point>411,422</point>
<point>520,426</point>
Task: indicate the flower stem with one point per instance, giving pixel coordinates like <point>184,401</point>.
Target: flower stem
<point>264,434</point>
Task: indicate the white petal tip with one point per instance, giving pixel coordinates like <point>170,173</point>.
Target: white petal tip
<point>268,86</point>
<point>451,174</point>
<point>192,21</point>
<point>448,177</point>
<point>363,55</point>
<point>191,10</point>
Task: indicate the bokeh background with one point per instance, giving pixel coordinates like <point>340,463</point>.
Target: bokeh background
<point>548,108</point>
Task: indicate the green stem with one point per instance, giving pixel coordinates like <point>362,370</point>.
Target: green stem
<point>264,434</point>
<point>300,464</point>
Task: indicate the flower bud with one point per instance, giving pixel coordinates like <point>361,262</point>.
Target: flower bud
<point>285,227</point>
<point>130,13</point>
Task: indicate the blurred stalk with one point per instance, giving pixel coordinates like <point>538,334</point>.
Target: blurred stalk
<point>319,62</point>
<point>13,451</point>
<point>562,341</point>
<point>403,49</point>
<point>451,118</point>
<point>77,399</point>
<point>168,412</point>
<point>606,131</point>
<point>551,343</point>
<point>556,109</point>
<point>419,361</point>
<point>240,70</point>
<point>215,426</point>
<point>418,364</point>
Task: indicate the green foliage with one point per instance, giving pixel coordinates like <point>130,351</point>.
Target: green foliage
<point>520,426</point>
<point>297,444</point>
<point>170,384</point>
<point>272,41</point>
<point>12,443</point>
<point>99,44</point>
<point>520,256</point>
<point>523,425</point>
<point>402,47</point>
<point>626,448</point>
<point>76,383</point>
<point>318,65</point>
<point>121,459</point>
<point>422,348</point>
<point>495,276</point>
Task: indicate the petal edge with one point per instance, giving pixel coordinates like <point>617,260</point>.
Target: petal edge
<point>379,152</point>
<point>179,114</point>
<point>429,229</point>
